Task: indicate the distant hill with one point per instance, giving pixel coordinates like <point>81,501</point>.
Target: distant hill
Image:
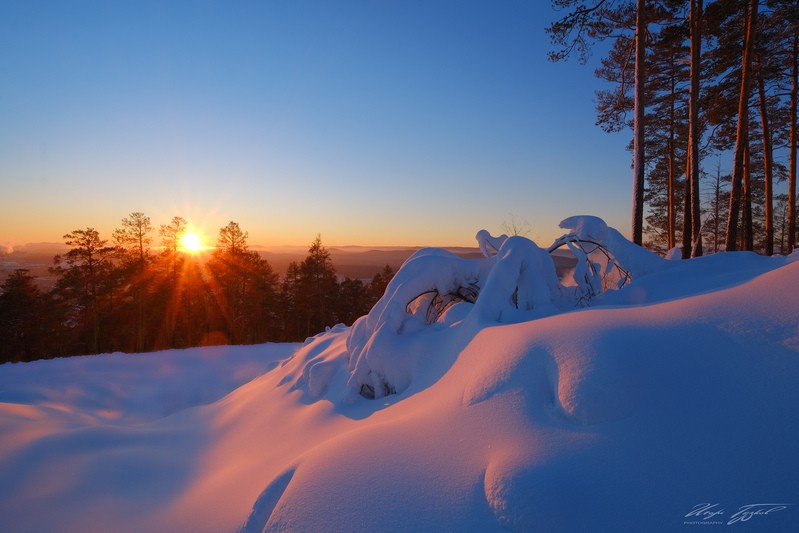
<point>355,262</point>
<point>350,262</point>
<point>363,263</point>
<point>35,257</point>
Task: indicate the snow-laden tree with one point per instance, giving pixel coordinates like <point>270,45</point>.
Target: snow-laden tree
<point>515,280</point>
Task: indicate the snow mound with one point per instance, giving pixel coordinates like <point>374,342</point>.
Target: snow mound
<point>593,410</point>
<point>514,282</point>
<point>514,408</point>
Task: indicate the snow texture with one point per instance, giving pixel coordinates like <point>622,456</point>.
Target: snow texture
<point>675,393</point>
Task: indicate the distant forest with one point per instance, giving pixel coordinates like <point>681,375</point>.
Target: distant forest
<point>123,295</point>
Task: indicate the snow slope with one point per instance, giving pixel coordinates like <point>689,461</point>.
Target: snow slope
<point>677,394</point>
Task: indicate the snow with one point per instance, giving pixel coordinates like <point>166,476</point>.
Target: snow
<point>675,393</point>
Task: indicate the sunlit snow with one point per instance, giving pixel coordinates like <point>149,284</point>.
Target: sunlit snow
<point>477,395</point>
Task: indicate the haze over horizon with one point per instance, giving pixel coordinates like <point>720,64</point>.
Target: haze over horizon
<point>408,124</point>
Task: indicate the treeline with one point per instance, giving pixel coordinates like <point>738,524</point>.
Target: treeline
<point>697,82</point>
<point>123,295</point>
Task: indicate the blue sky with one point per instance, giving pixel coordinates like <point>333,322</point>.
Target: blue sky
<point>368,122</point>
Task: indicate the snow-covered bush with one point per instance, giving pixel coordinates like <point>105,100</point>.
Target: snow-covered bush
<point>426,285</point>
<point>515,281</point>
<point>522,279</point>
<point>634,260</point>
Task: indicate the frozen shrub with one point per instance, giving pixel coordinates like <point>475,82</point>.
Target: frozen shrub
<point>515,278</point>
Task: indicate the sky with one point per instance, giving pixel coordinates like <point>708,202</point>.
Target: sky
<point>366,122</point>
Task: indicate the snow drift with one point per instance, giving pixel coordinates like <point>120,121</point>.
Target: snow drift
<point>477,395</point>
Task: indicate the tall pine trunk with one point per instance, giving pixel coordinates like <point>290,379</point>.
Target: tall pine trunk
<point>716,208</point>
<point>741,135</point>
<point>693,127</point>
<point>768,165</point>
<point>638,134</point>
<point>687,219</point>
<point>672,164</point>
<point>747,237</point>
<point>793,142</point>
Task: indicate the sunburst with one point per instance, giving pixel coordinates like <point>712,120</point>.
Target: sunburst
<point>191,242</point>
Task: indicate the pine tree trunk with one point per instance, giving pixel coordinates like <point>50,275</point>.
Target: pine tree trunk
<point>767,164</point>
<point>717,209</point>
<point>687,219</point>
<point>672,165</point>
<point>741,134</point>
<point>638,134</point>
<point>793,142</point>
<point>693,126</point>
<point>747,241</point>
<point>139,295</point>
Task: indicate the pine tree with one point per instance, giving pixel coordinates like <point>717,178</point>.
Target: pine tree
<point>245,288</point>
<point>692,235</point>
<point>715,225</point>
<point>599,20</point>
<point>793,136</point>
<point>22,323</point>
<point>133,240</point>
<point>639,161</point>
<point>171,293</point>
<point>780,54</point>
<point>379,283</point>
<point>85,279</point>
<point>289,303</point>
<point>352,301</point>
<point>317,289</point>
<point>171,235</point>
<point>737,197</point>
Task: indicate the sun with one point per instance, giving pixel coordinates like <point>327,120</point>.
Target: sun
<point>191,243</point>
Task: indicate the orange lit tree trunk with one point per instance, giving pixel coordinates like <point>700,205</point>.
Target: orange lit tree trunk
<point>747,235</point>
<point>692,222</point>
<point>741,140</point>
<point>693,125</point>
<point>793,141</point>
<point>672,164</point>
<point>767,164</point>
<point>638,126</point>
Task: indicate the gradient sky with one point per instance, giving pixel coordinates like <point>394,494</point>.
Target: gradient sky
<point>369,122</point>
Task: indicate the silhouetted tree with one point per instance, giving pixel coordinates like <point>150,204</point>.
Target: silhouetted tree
<point>85,279</point>
<point>22,318</point>
<point>171,234</point>
<point>290,304</point>
<point>245,289</point>
<point>133,243</point>
<point>317,288</point>
<point>379,283</point>
<point>172,287</point>
<point>308,294</point>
